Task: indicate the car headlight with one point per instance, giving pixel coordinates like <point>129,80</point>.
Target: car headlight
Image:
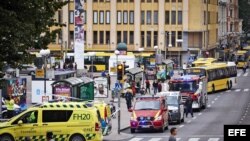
<point>159,118</point>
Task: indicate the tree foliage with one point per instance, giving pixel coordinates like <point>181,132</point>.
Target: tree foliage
<point>244,13</point>
<point>26,24</point>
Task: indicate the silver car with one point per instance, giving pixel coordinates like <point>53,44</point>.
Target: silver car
<point>27,69</point>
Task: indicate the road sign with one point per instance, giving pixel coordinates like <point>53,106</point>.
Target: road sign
<point>39,73</point>
<point>118,86</point>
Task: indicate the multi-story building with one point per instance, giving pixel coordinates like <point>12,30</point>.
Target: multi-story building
<point>180,28</point>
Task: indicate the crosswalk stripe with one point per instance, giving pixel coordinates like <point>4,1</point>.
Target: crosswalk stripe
<point>238,74</point>
<point>193,139</point>
<point>177,139</point>
<point>246,74</point>
<point>237,90</point>
<point>155,139</point>
<point>136,139</point>
<point>246,90</point>
<point>213,139</point>
<point>228,91</point>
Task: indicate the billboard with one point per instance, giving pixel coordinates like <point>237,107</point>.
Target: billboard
<point>79,33</point>
<point>63,89</point>
<point>101,87</point>
<point>37,89</point>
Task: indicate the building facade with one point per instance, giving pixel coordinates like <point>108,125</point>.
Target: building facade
<point>180,28</point>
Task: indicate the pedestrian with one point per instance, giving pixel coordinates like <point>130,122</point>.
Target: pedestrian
<point>173,133</point>
<point>155,86</point>
<point>109,81</point>
<point>244,68</point>
<point>159,87</point>
<point>147,86</point>
<point>128,98</point>
<point>188,105</point>
<point>10,106</point>
<point>49,136</point>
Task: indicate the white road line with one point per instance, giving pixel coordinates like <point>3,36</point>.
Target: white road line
<point>212,102</point>
<point>208,105</point>
<point>181,126</point>
<point>136,139</point>
<point>215,99</point>
<point>219,95</point>
<point>155,139</point>
<point>193,139</point>
<point>177,139</point>
<point>228,91</point>
<point>194,117</point>
<point>189,121</point>
<point>246,90</point>
<point>213,139</point>
<point>200,114</point>
<point>245,74</point>
<point>237,90</point>
<point>239,74</point>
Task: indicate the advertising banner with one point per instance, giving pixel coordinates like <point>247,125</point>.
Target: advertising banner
<point>79,33</point>
<point>101,87</point>
<point>87,91</point>
<point>62,89</point>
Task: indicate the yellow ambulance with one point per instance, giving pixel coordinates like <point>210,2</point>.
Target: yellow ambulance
<point>69,121</point>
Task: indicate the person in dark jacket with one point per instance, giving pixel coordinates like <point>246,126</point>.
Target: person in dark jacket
<point>155,86</point>
<point>109,81</point>
<point>188,105</point>
<point>159,87</point>
<point>147,86</point>
<point>128,98</point>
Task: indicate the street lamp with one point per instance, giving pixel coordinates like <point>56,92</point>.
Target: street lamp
<point>170,43</point>
<point>45,54</point>
<point>179,56</point>
<point>92,54</point>
<point>155,47</point>
<point>117,52</point>
<point>141,50</point>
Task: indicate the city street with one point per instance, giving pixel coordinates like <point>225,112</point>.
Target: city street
<point>225,107</point>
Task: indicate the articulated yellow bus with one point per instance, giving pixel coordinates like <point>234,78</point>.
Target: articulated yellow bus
<point>220,76</point>
<point>203,61</point>
<point>242,58</point>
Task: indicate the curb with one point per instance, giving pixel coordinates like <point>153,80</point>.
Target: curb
<point>125,128</point>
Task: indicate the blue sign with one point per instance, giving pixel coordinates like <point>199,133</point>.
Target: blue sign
<point>118,86</point>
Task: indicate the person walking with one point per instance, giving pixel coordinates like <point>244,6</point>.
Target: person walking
<point>147,86</point>
<point>159,87</point>
<point>155,86</point>
<point>244,68</point>
<point>128,98</point>
<point>10,106</point>
<point>173,133</point>
<point>109,81</point>
<point>188,105</point>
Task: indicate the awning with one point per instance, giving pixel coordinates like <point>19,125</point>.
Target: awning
<point>167,61</point>
<point>134,71</point>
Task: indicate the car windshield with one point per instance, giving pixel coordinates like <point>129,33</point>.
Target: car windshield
<point>183,86</point>
<point>172,100</point>
<point>147,105</point>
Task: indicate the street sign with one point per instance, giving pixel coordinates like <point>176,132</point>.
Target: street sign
<point>39,73</point>
<point>118,86</point>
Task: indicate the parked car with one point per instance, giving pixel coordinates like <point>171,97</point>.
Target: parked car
<point>27,69</point>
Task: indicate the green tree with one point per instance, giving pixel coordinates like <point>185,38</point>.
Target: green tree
<point>26,24</point>
<point>244,13</point>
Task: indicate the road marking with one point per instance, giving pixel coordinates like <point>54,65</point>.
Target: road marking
<point>213,139</point>
<point>193,139</point>
<point>246,74</point>
<point>215,99</point>
<point>239,74</point>
<point>228,91</point>
<point>200,114</point>
<point>219,95</point>
<point>209,106</point>
<point>136,139</point>
<point>155,139</point>
<point>189,121</point>
<point>212,102</point>
<point>177,139</point>
<point>181,126</point>
<point>237,90</point>
<point>246,90</point>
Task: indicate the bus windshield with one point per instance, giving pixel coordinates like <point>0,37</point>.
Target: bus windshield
<point>190,86</point>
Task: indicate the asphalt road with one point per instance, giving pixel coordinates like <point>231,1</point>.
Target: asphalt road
<point>225,107</point>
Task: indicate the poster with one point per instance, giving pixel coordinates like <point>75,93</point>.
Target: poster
<point>101,87</point>
<point>37,90</point>
<point>79,33</point>
<point>62,89</point>
<point>87,91</point>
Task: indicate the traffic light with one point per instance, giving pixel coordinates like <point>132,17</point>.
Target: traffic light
<point>119,72</point>
<point>125,67</point>
<point>38,62</point>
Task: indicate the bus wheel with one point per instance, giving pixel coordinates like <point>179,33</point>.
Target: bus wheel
<point>213,89</point>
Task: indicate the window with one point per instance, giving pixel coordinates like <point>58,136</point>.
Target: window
<point>131,17</point>
<point>56,115</point>
<point>119,17</point>
<point>231,27</point>
<point>101,17</point>
<point>173,0</point>
<point>71,17</point>
<point>107,17</point>
<point>142,0</point>
<point>60,16</point>
<point>95,34</point>
<point>155,17</point>
<point>204,17</point>
<point>95,0</point>
<point>148,38</point>
<point>142,38</point>
<point>155,1</point>
<point>29,117</point>
<point>149,0</point>
<point>179,37</point>
<point>131,0</point>
<point>119,0</point>
<point>119,37</point>
<point>166,0</point>
<point>179,17</point>
<point>95,17</point>
<point>231,13</point>
<point>142,17</point>
<point>125,0</point>
<point>107,37</point>
<point>166,17</point>
<point>173,17</point>
<point>101,1</point>
<point>179,0</point>
<point>173,38</point>
<point>71,35</point>
<point>131,37</point>
<point>125,37</point>
<point>208,18</point>
<point>166,38</point>
<point>101,37</point>
<point>155,38</point>
<point>125,17</point>
<point>148,17</point>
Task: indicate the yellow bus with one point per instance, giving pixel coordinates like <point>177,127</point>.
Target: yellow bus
<point>220,76</point>
<point>248,51</point>
<point>242,58</point>
<point>203,61</point>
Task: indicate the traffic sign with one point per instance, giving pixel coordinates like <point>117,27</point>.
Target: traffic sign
<point>118,86</point>
<point>39,73</point>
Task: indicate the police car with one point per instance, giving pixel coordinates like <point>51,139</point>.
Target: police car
<point>175,105</point>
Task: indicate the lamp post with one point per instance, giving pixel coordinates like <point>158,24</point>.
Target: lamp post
<point>141,50</point>
<point>170,43</point>
<point>45,54</point>
<point>117,52</point>
<point>155,47</point>
<point>179,55</point>
<point>92,54</point>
